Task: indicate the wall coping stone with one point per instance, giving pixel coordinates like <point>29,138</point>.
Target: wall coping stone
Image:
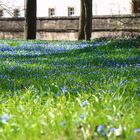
<point>73,17</point>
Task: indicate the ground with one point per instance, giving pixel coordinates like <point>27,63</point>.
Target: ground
<point>69,90</point>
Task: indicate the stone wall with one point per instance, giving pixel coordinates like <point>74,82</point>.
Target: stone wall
<point>66,28</point>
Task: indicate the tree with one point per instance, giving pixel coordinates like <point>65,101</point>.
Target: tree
<point>30,19</point>
<point>85,20</point>
<point>88,19</point>
<point>81,35</point>
<point>134,6</point>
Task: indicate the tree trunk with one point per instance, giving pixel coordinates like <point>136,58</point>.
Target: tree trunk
<point>88,19</point>
<point>30,19</point>
<point>85,20</point>
<point>134,7</point>
<point>81,35</point>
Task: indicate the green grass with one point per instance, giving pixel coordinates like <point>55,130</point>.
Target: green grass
<point>89,93</point>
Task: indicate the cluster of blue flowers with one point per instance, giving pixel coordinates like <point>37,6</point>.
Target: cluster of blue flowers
<point>35,49</point>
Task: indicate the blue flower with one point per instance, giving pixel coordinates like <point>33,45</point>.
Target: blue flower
<point>137,65</point>
<point>4,118</point>
<point>123,82</point>
<point>64,89</point>
<point>103,133</point>
<point>112,129</point>
<point>46,77</point>
<point>62,123</point>
<point>83,116</point>
<point>84,103</point>
<point>137,130</point>
<point>100,128</point>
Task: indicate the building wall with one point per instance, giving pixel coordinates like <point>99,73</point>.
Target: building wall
<point>100,7</point>
<point>111,7</point>
<point>66,28</point>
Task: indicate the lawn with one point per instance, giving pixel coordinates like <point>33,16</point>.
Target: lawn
<point>70,90</point>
